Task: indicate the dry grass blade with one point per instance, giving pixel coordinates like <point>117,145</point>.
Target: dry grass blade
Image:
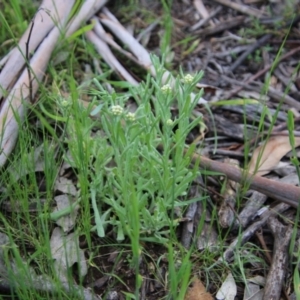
<point>267,156</point>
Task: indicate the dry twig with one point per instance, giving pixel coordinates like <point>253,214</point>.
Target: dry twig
<point>229,24</point>
<point>202,11</point>
<point>250,231</point>
<point>286,193</point>
<point>241,8</point>
<point>282,235</point>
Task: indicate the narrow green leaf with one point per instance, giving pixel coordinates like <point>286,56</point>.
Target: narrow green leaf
<point>98,221</point>
<point>234,102</point>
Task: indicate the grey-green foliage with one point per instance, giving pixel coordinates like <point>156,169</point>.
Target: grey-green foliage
<point>139,172</point>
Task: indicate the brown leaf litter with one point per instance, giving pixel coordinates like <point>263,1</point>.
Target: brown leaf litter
<point>197,291</point>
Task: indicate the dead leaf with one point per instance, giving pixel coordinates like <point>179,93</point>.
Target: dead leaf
<point>253,292</point>
<point>228,289</point>
<point>198,292</point>
<point>252,288</point>
<point>21,170</point>
<point>66,222</point>
<point>66,251</point>
<point>65,186</point>
<point>267,156</point>
<point>69,162</point>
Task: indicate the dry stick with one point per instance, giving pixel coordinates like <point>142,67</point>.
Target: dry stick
<point>260,42</point>
<point>250,209</point>
<point>263,71</point>
<point>137,49</point>
<point>227,213</point>
<point>16,59</point>
<point>260,237</point>
<point>28,62</point>
<point>44,37</point>
<point>200,7</point>
<point>249,232</point>
<point>204,21</point>
<point>255,202</point>
<point>286,193</point>
<point>241,8</point>
<point>4,59</point>
<point>108,56</point>
<point>234,22</point>
<point>14,102</point>
<point>230,153</point>
<point>285,79</point>
<point>101,33</point>
<point>251,49</point>
<point>275,94</point>
<point>285,133</point>
<point>280,96</point>
<point>278,269</point>
<point>283,192</point>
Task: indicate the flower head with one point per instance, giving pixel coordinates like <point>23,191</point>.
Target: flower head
<point>169,122</point>
<point>117,110</point>
<point>130,116</point>
<point>166,89</point>
<point>65,103</point>
<point>188,78</point>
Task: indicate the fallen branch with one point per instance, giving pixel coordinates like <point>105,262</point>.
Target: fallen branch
<point>250,231</point>
<point>283,192</point>
<point>282,235</point>
<point>241,8</point>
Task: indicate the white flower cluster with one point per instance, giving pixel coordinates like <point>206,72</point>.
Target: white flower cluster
<point>117,110</point>
<point>166,89</point>
<point>188,78</point>
<point>65,103</point>
<point>130,116</point>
